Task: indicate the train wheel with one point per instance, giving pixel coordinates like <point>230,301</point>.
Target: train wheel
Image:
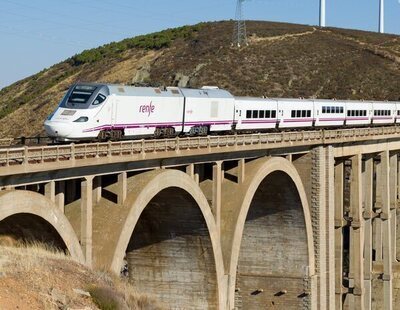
<point>103,135</point>
<point>170,131</point>
<point>203,131</point>
<point>157,132</point>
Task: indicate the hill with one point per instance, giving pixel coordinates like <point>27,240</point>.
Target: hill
<point>282,60</point>
<point>34,277</point>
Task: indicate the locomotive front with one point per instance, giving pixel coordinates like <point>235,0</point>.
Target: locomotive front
<point>78,110</point>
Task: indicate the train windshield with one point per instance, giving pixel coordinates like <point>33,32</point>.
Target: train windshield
<point>85,96</point>
<point>81,94</point>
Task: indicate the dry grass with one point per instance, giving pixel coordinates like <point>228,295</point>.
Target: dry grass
<point>35,276</point>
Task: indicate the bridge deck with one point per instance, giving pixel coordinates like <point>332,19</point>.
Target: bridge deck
<point>19,160</point>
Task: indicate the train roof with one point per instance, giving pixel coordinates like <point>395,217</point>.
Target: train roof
<point>123,90</point>
<point>206,93</point>
<point>330,101</point>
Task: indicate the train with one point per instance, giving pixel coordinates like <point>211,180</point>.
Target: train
<point>95,111</point>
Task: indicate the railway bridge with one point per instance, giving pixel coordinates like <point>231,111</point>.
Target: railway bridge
<point>298,220</point>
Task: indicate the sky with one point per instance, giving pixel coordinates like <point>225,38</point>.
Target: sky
<point>34,35</point>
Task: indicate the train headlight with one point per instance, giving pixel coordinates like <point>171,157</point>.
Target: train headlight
<point>82,119</point>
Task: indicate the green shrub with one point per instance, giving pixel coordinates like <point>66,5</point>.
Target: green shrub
<point>154,41</point>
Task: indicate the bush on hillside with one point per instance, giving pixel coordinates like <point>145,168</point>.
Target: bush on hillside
<point>155,41</point>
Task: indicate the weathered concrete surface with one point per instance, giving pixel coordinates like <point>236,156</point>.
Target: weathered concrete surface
<point>170,235</point>
<point>17,203</point>
<point>267,241</point>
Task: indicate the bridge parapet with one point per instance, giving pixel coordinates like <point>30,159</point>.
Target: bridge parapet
<point>77,154</point>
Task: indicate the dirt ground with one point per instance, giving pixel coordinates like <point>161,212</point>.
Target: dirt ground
<point>32,278</point>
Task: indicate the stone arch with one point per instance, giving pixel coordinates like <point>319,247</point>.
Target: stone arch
<point>27,203</point>
<point>148,187</point>
<point>257,174</point>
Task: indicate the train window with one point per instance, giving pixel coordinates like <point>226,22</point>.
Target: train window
<point>273,114</point>
<point>248,114</point>
<point>303,113</point>
<point>81,94</point>
<point>293,113</point>
<point>267,114</point>
<point>298,113</point>
<point>261,114</point>
<point>323,109</point>
<point>341,109</point>
<point>255,114</point>
<point>309,113</point>
<point>328,109</point>
<point>99,99</point>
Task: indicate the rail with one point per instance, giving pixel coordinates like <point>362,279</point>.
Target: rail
<point>33,155</point>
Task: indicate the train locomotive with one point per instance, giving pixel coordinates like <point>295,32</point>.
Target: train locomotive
<point>91,111</point>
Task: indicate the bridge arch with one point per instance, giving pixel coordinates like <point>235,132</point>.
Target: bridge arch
<point>173,221</point>
<point>37,208</point>
<point>272,238</point>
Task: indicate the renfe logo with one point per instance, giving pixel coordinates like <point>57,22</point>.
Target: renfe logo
<point>147,108</point>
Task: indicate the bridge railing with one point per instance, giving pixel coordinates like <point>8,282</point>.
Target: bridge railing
<point>40,154</point>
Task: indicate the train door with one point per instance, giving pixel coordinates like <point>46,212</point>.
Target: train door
<point>113,114</point>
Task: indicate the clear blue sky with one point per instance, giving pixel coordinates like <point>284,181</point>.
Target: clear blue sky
<point>37,34</point>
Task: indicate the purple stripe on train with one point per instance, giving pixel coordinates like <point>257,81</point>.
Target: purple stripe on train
<point>154,125</point>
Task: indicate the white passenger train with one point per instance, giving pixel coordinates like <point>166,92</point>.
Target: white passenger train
<point>103,111</point>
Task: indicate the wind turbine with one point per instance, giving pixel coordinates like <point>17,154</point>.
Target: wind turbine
<point>381,16</point>
<point>322,12</point>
